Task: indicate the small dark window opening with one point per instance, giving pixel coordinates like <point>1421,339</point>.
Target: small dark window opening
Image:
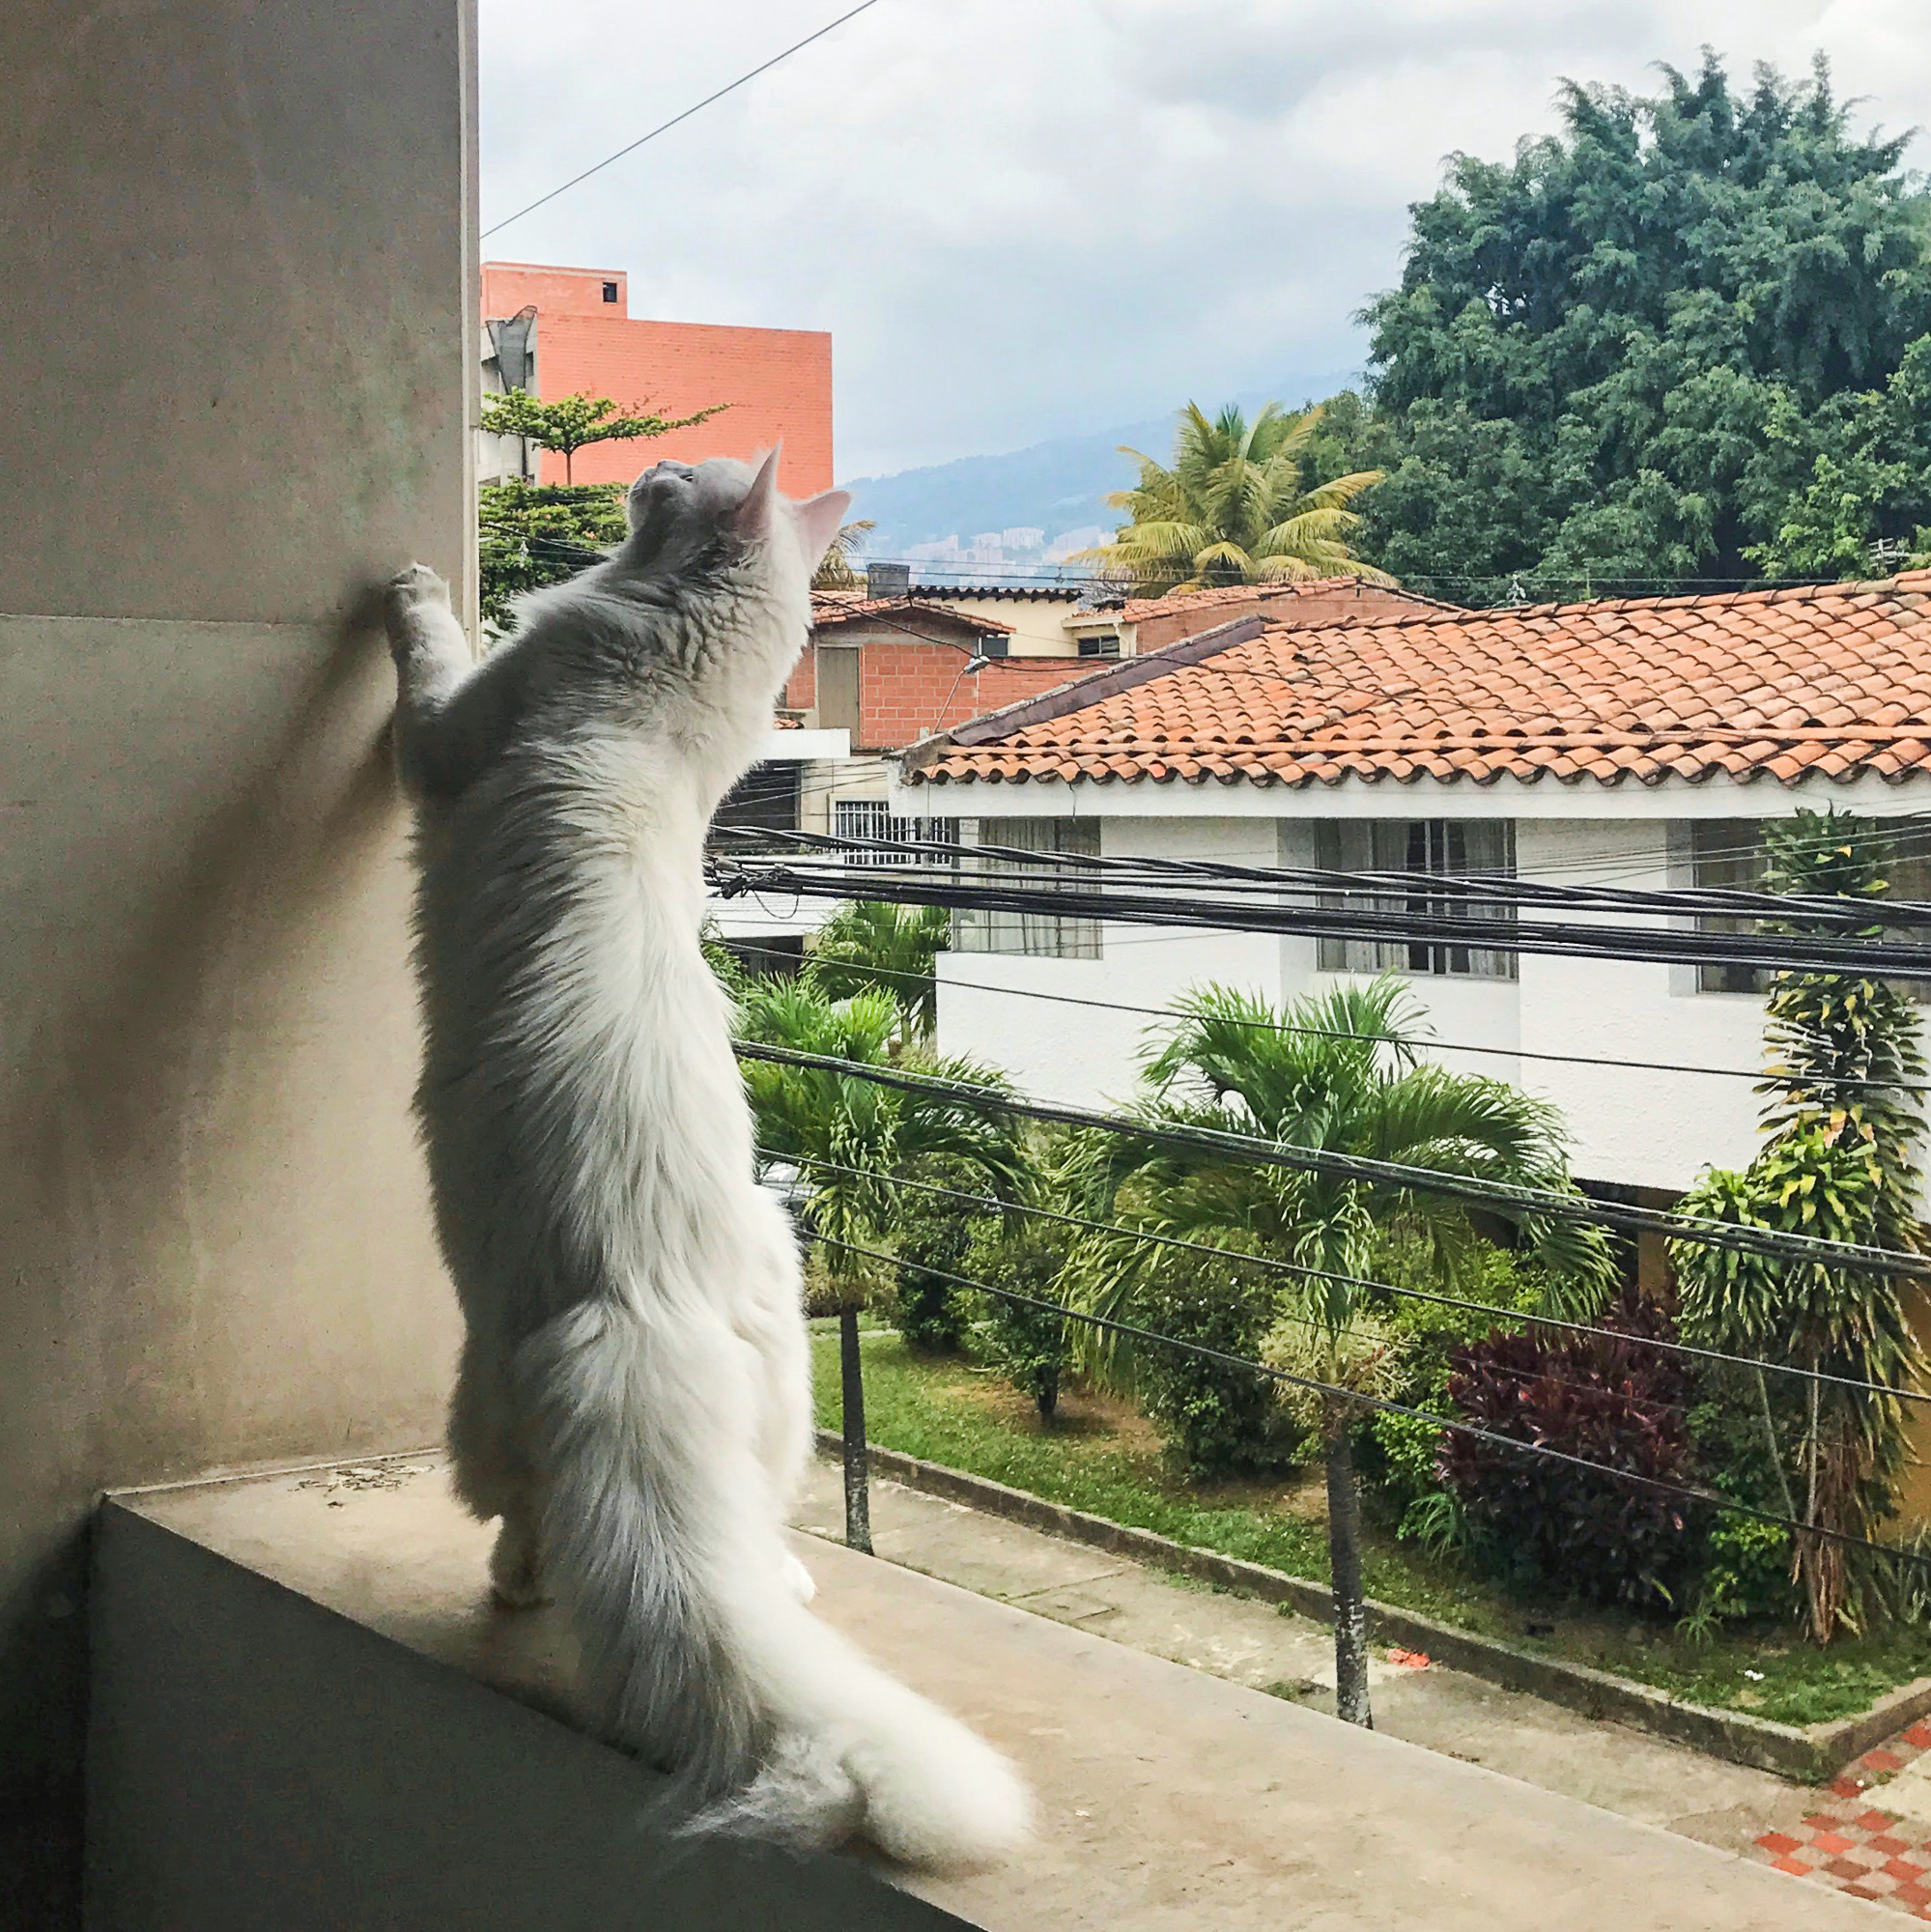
<point>764,800</point>
<point>610,292</point>
<point>995,644</point>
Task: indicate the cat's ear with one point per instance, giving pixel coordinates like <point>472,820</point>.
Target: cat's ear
<point>819,519</point>
<point>753,517</point>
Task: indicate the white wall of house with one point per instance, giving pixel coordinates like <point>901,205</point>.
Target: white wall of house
<point>1635,1127</point>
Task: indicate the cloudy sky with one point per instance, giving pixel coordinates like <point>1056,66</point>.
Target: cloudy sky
<point>1023,218</point>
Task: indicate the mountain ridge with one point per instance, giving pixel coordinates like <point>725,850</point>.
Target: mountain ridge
<point>1054,485</point>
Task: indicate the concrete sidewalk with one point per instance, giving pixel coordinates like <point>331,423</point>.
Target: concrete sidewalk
<point>1628,1771</point>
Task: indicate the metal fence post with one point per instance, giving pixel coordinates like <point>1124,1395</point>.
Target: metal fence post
<point>858,1472</point>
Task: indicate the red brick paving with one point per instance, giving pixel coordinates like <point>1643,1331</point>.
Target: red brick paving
<point>1857,1848</point>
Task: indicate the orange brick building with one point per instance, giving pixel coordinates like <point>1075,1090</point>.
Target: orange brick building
<point>778,382</point>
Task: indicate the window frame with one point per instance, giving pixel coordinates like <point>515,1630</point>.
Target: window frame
<point>1394,845</point>
<point>1029,934</point>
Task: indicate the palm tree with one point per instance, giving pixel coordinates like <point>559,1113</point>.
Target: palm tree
<point>1340,1070</point>
<point>892,949</point>
<point>850,1139</point>
<point>835,570</point>
<point>1231,509</point>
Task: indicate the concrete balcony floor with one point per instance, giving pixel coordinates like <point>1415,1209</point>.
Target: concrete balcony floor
<point>1169,1797</point>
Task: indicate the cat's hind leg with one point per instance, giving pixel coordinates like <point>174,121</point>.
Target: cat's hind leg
<point>495,1474</point>
<point>774,1324</point>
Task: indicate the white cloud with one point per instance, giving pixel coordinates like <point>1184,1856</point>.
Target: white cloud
<point>1019,220</point>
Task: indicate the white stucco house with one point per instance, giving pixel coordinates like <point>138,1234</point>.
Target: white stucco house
<point>1640,742</point>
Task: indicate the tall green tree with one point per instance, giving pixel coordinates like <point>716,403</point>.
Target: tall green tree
<point>529,535</point>
<point>1672,341</point>
<point>1340,1070</point>
<point>1842,1121</point>
<point>1235,507</point>
<point>574,422</point>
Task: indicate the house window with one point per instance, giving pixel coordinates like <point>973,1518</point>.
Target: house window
<point>1727,855</point>
<point>610,292</point>
<point>995,644</point>
<point>873,818</point>
<point>1104,646</point>
<point>1424,849</point>
<point>1046,936</point>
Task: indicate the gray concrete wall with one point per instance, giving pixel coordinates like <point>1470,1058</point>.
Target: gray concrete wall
<point>261,1762</point>
<point>237,245</point>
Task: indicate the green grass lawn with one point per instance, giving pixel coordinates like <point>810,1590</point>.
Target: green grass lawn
<point>1102,1458</point>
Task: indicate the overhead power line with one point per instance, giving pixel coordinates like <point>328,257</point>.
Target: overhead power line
<point>1423,918</point>
<point>1271,1263</point>
<point>1505,1195</point>
<point>1421,1043</point>
<point>676,119</point>
<point>1499,888</point>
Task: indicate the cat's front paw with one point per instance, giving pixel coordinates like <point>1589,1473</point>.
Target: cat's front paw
<point>417,584</point>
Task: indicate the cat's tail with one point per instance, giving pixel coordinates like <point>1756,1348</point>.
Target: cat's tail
<point>661,1537</point>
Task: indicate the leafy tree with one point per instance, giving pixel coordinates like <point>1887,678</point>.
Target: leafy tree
<point>1341,1071</point>
<point>890,948</point>
<point>574,422</point>
<point>850,1139</point>
<point>530,534</point>
<point>1841,1121</point>
<point>1235,508</point>
<point>1685,337</point>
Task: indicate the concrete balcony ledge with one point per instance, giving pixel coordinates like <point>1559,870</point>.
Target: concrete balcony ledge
<point>306,1715</point>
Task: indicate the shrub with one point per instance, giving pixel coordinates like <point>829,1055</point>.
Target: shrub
<point>1027,1344</point>
<point>1607,1399</point>
<point>932,1232</point>
<point>1215,1420</point>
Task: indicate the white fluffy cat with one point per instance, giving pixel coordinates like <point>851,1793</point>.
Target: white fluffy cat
<point>633,1396</point>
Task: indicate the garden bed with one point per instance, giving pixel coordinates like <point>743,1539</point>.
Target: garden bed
<point>1762,1697</point>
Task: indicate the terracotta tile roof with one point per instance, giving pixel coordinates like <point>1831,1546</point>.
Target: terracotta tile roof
<point>833,607</point>
<point>1137,609</point>
<point>1824,680</point>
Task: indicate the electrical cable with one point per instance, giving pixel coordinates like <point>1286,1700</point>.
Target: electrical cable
<point>1504,887</point>
<point>1301,1272</point>
<point>664,128</point>
<point>730,878</point>
<point>1430,1043</point>
<point>1506,1196</point>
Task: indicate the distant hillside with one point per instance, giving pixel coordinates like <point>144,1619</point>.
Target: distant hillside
<point>1053,486</point>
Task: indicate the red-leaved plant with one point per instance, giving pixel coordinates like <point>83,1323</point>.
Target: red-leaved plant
<point>1606,1399</point>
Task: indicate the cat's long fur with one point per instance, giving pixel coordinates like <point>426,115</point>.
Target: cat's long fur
<point>633,1395</point>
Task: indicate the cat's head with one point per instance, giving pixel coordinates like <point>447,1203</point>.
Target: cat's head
<point>684,514</point>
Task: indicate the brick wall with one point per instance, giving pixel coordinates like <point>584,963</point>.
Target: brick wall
<point>509,286</point>
<point>908,688</point>
<point>777,381</point>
